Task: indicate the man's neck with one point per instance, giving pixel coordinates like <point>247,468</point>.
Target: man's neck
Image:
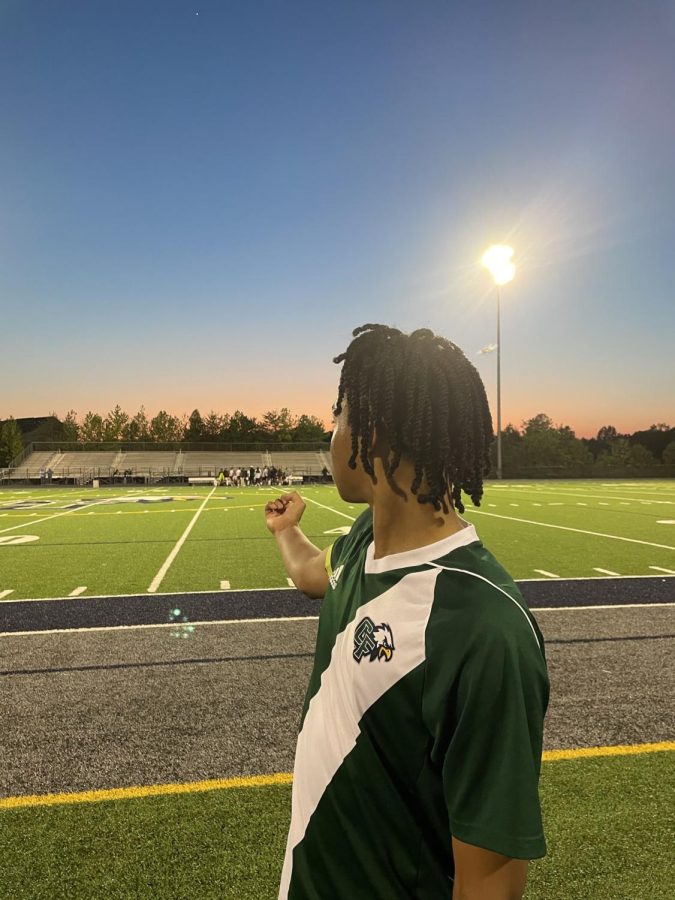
<point>401,522</point>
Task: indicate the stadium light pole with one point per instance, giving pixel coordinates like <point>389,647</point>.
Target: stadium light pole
<point>498,260</point>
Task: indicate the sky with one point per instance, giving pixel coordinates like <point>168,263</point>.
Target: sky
<point>200,200</point>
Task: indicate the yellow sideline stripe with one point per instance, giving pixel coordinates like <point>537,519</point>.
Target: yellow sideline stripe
<point>617,750</point>
<point>149,790</point>
<point>217,784</point>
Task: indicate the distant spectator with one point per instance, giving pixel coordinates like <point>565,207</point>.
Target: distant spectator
<point>257,475</point>
<point>49,475</point>
<point>324,473</point>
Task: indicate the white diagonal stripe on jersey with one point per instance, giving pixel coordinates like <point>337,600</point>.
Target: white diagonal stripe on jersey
<point>348,689</point>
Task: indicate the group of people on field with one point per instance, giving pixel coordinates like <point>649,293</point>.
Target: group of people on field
<point>243,477</point>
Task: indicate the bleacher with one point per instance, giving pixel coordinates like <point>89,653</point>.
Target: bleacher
<point>147,462</point>
<point>299,462</point>
<point>148,466</point>
<point>203,462</point>
<point>31,466</point>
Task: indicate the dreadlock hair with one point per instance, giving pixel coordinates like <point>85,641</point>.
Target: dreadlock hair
<point>428,402</point>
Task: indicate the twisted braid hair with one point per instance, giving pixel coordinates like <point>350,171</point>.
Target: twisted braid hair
<point>427,400</point>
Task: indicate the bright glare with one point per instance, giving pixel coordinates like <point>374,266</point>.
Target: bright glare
<point>497,259</point>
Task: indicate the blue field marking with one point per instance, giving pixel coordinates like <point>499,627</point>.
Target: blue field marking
<point>143,609</point>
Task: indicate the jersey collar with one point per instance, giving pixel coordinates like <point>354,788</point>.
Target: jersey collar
<point>420,555</point>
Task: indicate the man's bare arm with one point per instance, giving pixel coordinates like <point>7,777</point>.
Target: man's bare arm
<point>484,875</point>
<point>305,563</point>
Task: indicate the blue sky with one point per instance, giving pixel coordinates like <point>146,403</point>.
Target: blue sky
<point>200,200</point>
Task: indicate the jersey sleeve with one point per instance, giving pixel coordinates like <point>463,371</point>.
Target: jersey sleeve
<point>486,717</point>
<point>333,554</point>
<point>361,531</point>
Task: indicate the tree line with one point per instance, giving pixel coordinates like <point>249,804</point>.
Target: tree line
<point>537,444</point>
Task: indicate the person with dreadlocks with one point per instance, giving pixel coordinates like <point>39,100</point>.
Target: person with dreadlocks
<point>417,763</point>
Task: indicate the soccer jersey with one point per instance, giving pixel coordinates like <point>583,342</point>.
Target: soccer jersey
<point>423,720</point>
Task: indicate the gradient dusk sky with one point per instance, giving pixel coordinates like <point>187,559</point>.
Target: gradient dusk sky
<point>200,200</point>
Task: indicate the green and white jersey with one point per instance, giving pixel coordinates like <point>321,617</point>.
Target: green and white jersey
<point>423,721</point>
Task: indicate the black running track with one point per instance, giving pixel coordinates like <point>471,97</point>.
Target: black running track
<point>152,609</point>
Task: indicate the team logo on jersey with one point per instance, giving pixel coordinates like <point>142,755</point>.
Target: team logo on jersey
<point>374,641</point>
<point>335,577</point>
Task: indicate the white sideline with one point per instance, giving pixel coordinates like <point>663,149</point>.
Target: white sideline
<point>159,577</point>
<point>614,537</point>
<point>533,609</point>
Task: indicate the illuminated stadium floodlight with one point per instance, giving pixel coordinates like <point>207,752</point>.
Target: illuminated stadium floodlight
<point>498,260</point>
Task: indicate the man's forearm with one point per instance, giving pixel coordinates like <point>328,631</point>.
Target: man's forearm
<point>297,552</point>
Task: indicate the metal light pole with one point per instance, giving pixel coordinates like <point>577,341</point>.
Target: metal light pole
<point>499,386</point>
<point>498,261</point>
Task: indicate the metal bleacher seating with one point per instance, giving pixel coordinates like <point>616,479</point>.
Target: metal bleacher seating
<point>298,462</point>
<point>200,462</point>
<point>146,462</point>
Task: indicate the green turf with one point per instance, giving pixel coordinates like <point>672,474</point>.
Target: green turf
<point>608,825</point>
<point>117,546</point>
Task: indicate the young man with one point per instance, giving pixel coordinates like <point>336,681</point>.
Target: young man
<point>417,764</point>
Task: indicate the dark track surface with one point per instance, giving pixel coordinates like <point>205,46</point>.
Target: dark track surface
<point>99,709</point>
<point>150,609</point>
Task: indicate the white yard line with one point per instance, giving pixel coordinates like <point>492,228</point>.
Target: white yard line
<point>225,585</point>
<point>331,508</point>
<point>78,591</point>
<point>607,572</point>
<point>159,577</point>
<point>290,582</point>
<point>563,493</point>
<point>614,537</point>
<point>548,574</point>
<point>661,569</point>
<point>6,593</point>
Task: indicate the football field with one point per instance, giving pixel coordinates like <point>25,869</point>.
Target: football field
<point>62,542</point>
<point>154,659</point>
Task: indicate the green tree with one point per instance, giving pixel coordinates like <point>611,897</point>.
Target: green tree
<point>241,428</point>
<point>669,454</point>
<point>91,429</point>
<point>512,441</point>
<point>213,426</point>
<point>11,443</point>
<point>195,429</point>
<point>164,427</point>
<point>278,425</point>
<point>114,424</point>
<point>641,457</point>
<point>308,428</point>
<point>138,428</point>
<point>71,430</point>
<point>541,423</point>
<point>618,455</point>
<point>541,443</point>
